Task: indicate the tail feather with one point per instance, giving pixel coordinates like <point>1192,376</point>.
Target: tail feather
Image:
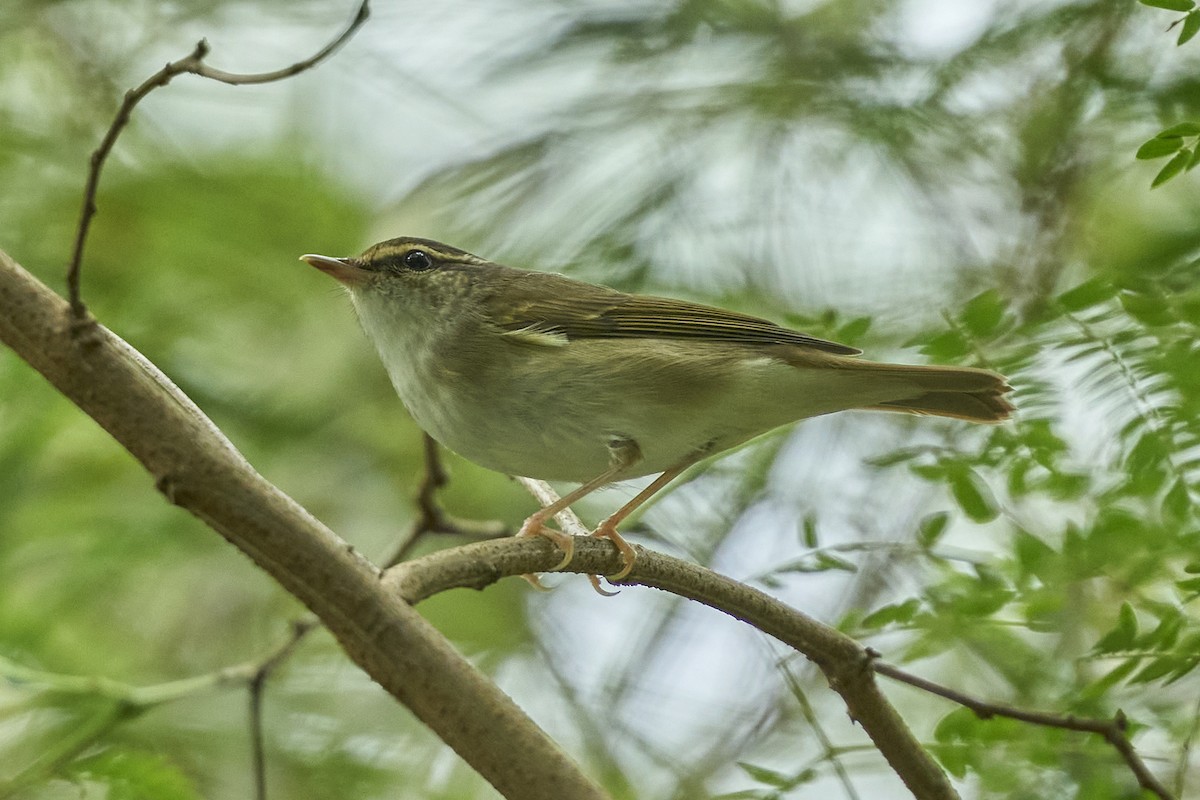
<point>973,406</point>
<point>966,393</point>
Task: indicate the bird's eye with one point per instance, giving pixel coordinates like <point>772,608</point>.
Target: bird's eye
<point>418,261</point>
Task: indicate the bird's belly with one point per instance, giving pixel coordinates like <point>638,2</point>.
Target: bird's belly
<point>560,424</point>
<point>553,438</point>
<point>556,416</point>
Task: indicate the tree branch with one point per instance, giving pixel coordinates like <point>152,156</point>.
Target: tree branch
<point>196,467</point>
<point>1115,731</point>
<point>846,664</point>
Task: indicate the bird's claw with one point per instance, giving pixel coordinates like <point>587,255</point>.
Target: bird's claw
<point>628,554</point>
<point>564,542</point>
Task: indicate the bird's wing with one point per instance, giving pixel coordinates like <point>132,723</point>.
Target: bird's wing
<point>556,306</point>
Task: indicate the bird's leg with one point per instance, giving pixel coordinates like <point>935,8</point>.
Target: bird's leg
<point>608,528</point>
<point>624,453</point>
<point>534,525</point>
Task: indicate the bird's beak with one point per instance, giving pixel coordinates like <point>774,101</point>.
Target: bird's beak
<point>344,270</point>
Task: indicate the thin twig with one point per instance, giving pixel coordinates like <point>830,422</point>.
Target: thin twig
<point>1185,751</point>
<point>1115,731</point>
<point>192,63</point>
<point>830,753</point>
<point>432,518</point>
<point>544,493</point>
<point>257,685</point>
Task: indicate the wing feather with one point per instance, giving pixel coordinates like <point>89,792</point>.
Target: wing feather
<point>557,305</point>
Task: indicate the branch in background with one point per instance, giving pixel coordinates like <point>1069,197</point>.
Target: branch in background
<point>192,63</point>
<point>125,702</point>
<point>257,684</point>
<point>197,468</point>
<point>1185,751</point>
<point>828,751</point>
<point>432,518</point>
<point>1115,731</point>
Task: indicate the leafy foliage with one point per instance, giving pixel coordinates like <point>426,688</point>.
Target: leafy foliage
<point>1174,142</point>
<point>1189,26</point>
<point>965,199</point>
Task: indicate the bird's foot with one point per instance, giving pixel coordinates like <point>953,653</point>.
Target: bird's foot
<point>628,555</point>
<point>534,526</point>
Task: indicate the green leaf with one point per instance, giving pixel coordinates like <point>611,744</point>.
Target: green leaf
<point>1152,309</point>
<point>1018,474</point>
<point>854,330</point>
<point>983,313</point>
<point>1163,665</point>
<point>1148,454</point>
<point>896,457</point>
<point>1100,687</point>
<point>1178,501</point>
<point>1165,635</point>
<point>818,562</point>
<point>946,346</point>
<point>959,725</point>
<point>826,561</point>
<point>955,758</point>
<point>974,496</point>
<point>1034,555</point>
<point>1173,168</point>
<point>931,528</point>
<point>1159,147</point>
<point>929,646</point>
<point>929,472</point>
<point>768,777</point>
<point>894,612</point>
<point>1170,5</point>
<point>1191,25</point>
<point>810,531</point>
<point>1087,294</point>
<point>1186,666</point>
<point>136,775</point>
<point>1067,486</point>
<point>1182,129</point>
<point>1123,635</point>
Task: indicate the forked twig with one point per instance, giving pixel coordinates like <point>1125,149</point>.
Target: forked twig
<point>432,518</point>
<point>192,63</point>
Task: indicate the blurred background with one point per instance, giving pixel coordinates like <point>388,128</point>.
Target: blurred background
<point>929,180</point>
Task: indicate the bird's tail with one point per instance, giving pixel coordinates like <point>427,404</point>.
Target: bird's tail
<point>977,395</point>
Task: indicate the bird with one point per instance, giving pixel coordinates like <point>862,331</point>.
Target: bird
<point>540,375</point>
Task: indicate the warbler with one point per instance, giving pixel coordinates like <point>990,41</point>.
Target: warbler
<point>539,375</point>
